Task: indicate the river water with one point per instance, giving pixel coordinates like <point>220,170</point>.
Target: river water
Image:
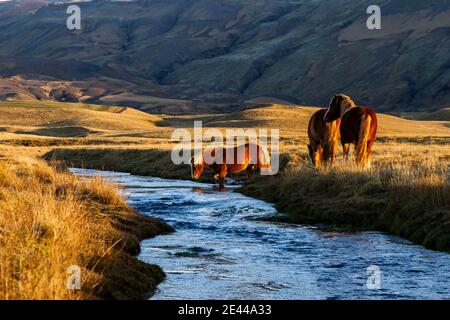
<point>222,249</point>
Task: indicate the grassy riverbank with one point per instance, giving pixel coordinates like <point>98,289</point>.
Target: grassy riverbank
<point>400,197</point>
<point>409,197</point>
<point>138,161</point>
<point>50,220</point>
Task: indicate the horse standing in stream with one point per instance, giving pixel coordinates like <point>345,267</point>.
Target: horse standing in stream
<point>358,126</point>
<point>249,157</point>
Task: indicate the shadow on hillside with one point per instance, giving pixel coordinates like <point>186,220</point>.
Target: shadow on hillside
<point>72,132</point>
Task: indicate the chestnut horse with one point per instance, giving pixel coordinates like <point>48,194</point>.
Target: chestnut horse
<point>249,157</point>
<point>323,139</point>
<point>358,126</point>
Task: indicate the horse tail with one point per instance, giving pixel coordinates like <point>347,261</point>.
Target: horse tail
<point>363,139</point>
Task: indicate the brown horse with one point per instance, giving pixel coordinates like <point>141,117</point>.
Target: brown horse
<point>323,139</point>
<point>358,126</point>
<point>249,157</point>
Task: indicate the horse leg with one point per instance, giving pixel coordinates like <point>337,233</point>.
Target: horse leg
<point>221,181</point>
<point>318,156</point>
<point>332,158</point>
<point>222,175</point>
<point>250,170</point>
<point>334,148</point>
<point>329,155</point>
<point>326,160</point>
<point>346,147</point>
<point>325,156</point>
<point>214,177</point>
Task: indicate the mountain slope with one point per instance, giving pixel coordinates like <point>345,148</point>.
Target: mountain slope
<point>224,52</point>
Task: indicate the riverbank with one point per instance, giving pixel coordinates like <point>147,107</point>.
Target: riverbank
<point>409,197</point>
<point>411,200</point>
<point>223,249</point>
<point>51,220</point>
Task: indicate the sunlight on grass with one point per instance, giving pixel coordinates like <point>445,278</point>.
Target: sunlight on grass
<point>51,220</point>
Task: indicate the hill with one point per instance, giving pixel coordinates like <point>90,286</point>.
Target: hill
<point>293,120</point>
<point>443,114</point>
<point>213,55</point>
<point>58,119</point>
<point>47,119</point>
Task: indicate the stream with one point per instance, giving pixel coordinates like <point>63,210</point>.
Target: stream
<point>223,249</point>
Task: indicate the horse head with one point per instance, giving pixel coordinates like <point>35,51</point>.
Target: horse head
<point>338,106</point>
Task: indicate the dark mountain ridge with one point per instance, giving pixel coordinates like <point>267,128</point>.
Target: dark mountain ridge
<point>224,53</point>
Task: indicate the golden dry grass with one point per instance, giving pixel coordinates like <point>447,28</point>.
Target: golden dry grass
<point>406,192</point>
<point>54,119</point>
<point>293,120</point>
<point>51,220</point>
<point>38,120</point>
<point>130,139</point>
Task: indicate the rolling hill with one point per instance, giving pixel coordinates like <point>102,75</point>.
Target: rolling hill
<point>56,119</point>
<point>43,120</point>
<point>443,114</point>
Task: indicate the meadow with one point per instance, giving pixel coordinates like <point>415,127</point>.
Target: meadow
<point>405,192</point>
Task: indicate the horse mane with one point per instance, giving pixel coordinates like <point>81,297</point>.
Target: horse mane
<point>331,135</point>
<point>349,103</point>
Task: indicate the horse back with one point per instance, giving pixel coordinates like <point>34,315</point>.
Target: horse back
<point>351,123</point>
<point>238,158</point>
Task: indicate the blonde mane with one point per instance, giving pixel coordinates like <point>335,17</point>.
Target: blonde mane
<point>331,137</point>
<point>346,104</point>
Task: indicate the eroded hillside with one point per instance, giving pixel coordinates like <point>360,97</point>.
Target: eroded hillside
<point>161,55</point>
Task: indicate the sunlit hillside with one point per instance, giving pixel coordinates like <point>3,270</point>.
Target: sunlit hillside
<point>40,122</point>
<point>292,118</point>
<point>54,119</point>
